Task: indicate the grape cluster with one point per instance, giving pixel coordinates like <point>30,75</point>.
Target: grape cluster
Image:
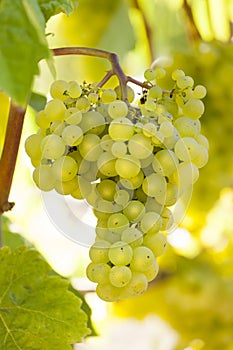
<point>131,163</point>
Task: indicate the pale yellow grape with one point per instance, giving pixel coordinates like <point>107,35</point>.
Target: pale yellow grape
<point>121,129</point>
<point>83,105</point>
<point>132,236</point>
<point>57,127</point>
<point>98,252</point>
<point>171,195</point>
<point>107,189</point>
<point>177,73</point>
<point>155,92</point>
<point>90,148</point>
<point>64,168</point>
<point>127,166</point>
<point>120,253</point>
<point>187,174</point>
<point>52,147</point>
<point>165,162</point>
<point>58,89</point>
<point>138,126</point>
<point>134,211</point>
<point>83,189</point>
<point>187,126</point>
<point>108,292</point>
<point>72,135</point>
<point>150,105</point>
<point>149,74</point>
<point>98,272</point>
<point>149,129</point>
<point>108,95</point>
<point>93,97</point>
<point>42,120</point>
<point>83,164</point>
<point>158,138</point>
<point>92,122</point>
<point>199,91</point>
<point>184,82</point>
<point>92,197</point>
<point>154,185</point>
<point>151,204</point>
<point>147,161</point>
<point>118,222</point>
<point>55,110</point>
<point>119,149</point>
<point>151,222</point>
<point>112,237</point>
<point>194,108</point>
<point>106,206</point>
<point>121,197</point>
<point>106,143</point>
<point>202,158</point>
<point>140,194</point>
<point>137,286</point>
<point>66,187</point>
<point>143,258</point>
<point>73,116</point>
<point>166,128</point>
<point>117,109</point>
<point>160,72</point>
<point>74,89</point>
<point>130,93</point>
<point>167,219</point>
<point>120,276</point>
<point>187,148</point>
<point>152,272</point>
<point>43,177</point>
<point>156,242</point>
<point>32,146</point>
<point>102,108</point>
<point>107,164</point>
<point>202,140</point>
<point>140,146</point>
<point>133,182</point>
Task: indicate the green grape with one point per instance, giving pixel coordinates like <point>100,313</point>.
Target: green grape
<point>202,140</point>
<point>52,147</point>
<point>108,292</point>
<point>64,168</point>
<point>171,195</point>
<point>98,272</point>
<point>32,146</point>
<point>108,95</point>
<point>156,242</point>
<point>120,276</point>
<point>165,162</point>
<point>177,73</point>
<point>140,195</point>
<point>106,143</point>
<point>130,93</point>
<point>155,92</point>
<point>169,142</point>
<point>137,286</point>
<point>149,129</point>
<point>83,105</point>
<point>187,148</point>
<point>160,72</point>
<point>43,177</point>
<point>149,74</point>
<point>151,222</point>
<point>72,135</point>
<point>121,129</point>
<point>90,148</point>
<point>127,166</point>
<point>42,120</point>
<point>58,89</point>
<point>157,139</point>
<point>134,211</point>
<point>121,197</point>
<point>167,219</point>
<point>93,97</point>
<point>152,205</point>
<point>193,108</point>
<point>67,187</point>
<point>140,146</point>
<point>143,258</point>
<point>83,189</point>
<point>119,149</point>
<point>147,161</point>
<point>73,116</point>
<point>202,158</point>
<point>55,110</point>
<point>107,189</point>
<point>120,253</point>
<point>183,82</point>
<point>74,89</point>
<point>106,164</point>
<point>166,128</point>
<point>187,126</point>
<point>133,182</point>
<point>199,91</point>
<point>187,174</point>
<point>117,109</point>
<point>152,272</point>
<point>154,185</point>
<point>57,127</point>
<point>118,222</point>
<point>99,251</point>
<point>132,236</point>
<point>150,106</point>
<point>92,123</point>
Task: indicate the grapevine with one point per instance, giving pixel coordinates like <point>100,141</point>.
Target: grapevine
<point>131,161</point>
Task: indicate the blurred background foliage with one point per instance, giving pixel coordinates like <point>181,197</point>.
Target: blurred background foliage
<point>194,290</point>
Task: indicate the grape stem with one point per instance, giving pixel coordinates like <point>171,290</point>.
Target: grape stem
<point>9,154</point>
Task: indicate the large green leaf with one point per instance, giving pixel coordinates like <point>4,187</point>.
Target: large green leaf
<point>36,310</point>
<point>52,7</point>
<point>9,238</point>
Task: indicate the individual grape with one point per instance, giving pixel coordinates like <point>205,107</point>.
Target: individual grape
<point>127,166</point>
<point>140,146</point>
<point>99,251</point>
<point>58,89</point>
<point>187,126</point>
<point>98,272</point>
<point>187,148</point>
<point>57,127</point>
<point>73,116</point>
<point>177,73</point>
<point>121,129</point>
<point>106,164</point>
<point>117,109</point>
<point>166,128</point>
<point>183,82</point>
<point>119,149</point>
<point>92,123</point>
<point>140,195</point>
<point>155,92</point>
<point>32,146</point>
<point>150,106</point>
<point>137,286</point>
<point>120,253</point>
<point>83,189</point>
<point>121,197</point>
<point>93,97</point>
<point>134,211</point>
<point>108,95</point>
<point>171,195</point>
<point>187,174</point>
<point>165,162</point>
<point>149,129</point>
<point>169,142</point>
<point>193,108</point>
<point>156,242</point>
<point>152,272</point>
<point>55,110</point>
<point>133,182</point>
<point>152,205</point>
<point>66,187</point>
<point>83,105</point>
<point>147,161</point>
<point>107,189</point>
<point>108,292</point>
<point>72,135</point>
<point>151,222</point>
<point>90,148</point>
<point>158,139</point>
<point>118,222</point>
<point>143,258</point>
<point>42,120</point>
<point>149,74</point>
<point>130,93</point>
<point>132,236</point>
<point>74,89</point>
<point>202,140</point>
<point>106,143</point>
<point>154,185</point>
<point>64,168</point>
<point>160,72</point>
<point>199,91</point>
<point>120,276</point>
<point>202,157</point>
<point>83,164</point>
<point>43,177</point>
<point>52,147</point>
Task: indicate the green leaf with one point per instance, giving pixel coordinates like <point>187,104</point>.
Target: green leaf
<point>22,46</point>
<point>36,310</point>
<point>37,101</point>
<point>9,238</point>
<point>53,7</point>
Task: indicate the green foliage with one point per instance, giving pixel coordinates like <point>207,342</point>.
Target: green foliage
<point>36,310</point>
<point>53,7</point>
<point>10,239</point>
<point>37,101</point>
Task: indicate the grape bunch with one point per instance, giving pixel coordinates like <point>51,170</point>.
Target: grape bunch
<point>131,162</point>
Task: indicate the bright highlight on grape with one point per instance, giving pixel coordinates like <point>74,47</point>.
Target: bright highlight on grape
<point>131,162</point>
